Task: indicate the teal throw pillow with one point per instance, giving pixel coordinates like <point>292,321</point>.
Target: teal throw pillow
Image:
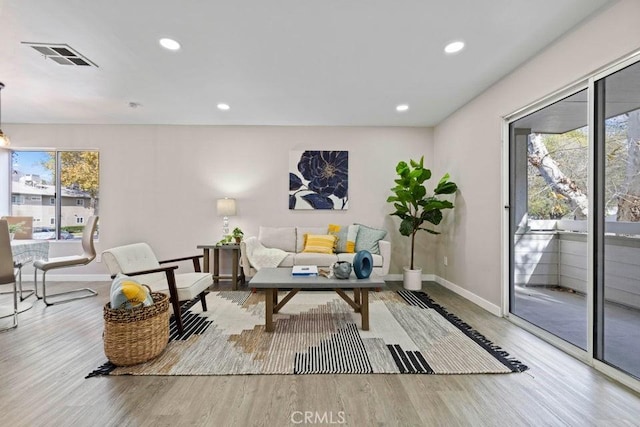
<point>368,239</point>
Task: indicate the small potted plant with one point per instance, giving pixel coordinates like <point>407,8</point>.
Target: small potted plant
<point>414,207</point>
<point>237,234</point>
<point>225,240</point>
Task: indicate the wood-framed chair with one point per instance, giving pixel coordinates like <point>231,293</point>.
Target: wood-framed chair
<point>88,255</point>
<point>7,274</point>
<point>139,260</point>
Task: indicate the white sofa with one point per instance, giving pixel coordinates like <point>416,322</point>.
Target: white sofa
<point>291,240</point>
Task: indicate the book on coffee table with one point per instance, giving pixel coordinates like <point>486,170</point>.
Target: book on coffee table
<point>304,270</point>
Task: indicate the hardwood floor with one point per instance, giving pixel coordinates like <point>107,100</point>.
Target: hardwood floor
<point>43,364</point>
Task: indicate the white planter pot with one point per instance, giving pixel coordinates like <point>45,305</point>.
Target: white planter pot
<point>412,279</point>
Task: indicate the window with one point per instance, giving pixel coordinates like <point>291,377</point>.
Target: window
<point>56,188</point>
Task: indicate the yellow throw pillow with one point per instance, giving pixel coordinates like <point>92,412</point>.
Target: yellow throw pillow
<point>128,293</point>
<point>319,243</point>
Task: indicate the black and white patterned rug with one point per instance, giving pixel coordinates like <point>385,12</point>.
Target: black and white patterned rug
<point>318,333</point>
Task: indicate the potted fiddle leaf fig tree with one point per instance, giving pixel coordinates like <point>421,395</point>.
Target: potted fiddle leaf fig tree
<point>414,206</point>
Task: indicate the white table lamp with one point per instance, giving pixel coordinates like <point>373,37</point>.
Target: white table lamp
<point>226,207</point>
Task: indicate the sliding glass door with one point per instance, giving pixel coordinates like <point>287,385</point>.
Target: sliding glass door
<point>549,209</point>
<point>618,243</point>
<point>574,218</point>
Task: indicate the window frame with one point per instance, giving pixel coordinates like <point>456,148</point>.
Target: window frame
<point>55,201</point>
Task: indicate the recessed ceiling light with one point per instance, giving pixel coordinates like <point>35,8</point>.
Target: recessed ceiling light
<point>169,44</point>
<point>402,107</point>
<point>223,107</point>
<point>454,47</point>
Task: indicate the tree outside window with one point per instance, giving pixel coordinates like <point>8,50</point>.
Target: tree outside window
<point>558,172</point>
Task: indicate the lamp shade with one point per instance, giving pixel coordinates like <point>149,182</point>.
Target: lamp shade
<point>226,207</point>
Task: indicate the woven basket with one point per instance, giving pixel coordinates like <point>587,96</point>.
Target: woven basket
<point>137,335</point>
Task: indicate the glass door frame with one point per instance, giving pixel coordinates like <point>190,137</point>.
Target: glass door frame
<point>597,229</point>
<point>507,231</point>
<point>595,235</point>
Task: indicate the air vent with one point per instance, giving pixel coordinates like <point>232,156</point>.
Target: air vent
<point>61,54</point>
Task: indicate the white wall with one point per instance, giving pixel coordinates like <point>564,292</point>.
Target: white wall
<point>468,143</point>
<point>159,183</point>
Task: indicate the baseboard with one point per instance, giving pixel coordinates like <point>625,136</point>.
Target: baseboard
<point>72,277</point>
<point>481,302</point>
<point>398,277</point>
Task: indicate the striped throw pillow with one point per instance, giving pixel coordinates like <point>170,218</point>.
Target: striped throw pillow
<point>346,237</point>
<point>319,243</point>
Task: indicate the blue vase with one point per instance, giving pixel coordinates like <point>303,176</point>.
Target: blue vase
<point>363,264</point>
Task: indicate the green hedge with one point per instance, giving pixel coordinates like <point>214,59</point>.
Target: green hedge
<point>73,229</point>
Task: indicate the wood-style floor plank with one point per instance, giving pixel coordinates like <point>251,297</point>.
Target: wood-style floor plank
<point>44,361</point>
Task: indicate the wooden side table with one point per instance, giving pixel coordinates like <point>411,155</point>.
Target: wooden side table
<point>235,249</point>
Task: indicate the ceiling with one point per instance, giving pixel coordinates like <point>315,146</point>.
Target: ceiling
<point>275,62</point>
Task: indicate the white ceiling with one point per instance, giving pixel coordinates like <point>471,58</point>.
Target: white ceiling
<point>275,62</point>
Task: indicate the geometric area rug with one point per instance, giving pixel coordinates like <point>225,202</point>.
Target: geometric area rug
<point>318,333</point>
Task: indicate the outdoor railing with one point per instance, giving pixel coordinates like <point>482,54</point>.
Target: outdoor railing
<point>554,253</point>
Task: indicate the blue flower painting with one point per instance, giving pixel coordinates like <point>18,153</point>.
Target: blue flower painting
<point>319,180</point>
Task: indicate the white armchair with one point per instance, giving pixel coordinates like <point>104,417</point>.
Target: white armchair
<point>139,260</point>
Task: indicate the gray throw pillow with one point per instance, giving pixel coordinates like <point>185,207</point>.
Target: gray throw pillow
<point>347,235</point>
<point>368,239</point>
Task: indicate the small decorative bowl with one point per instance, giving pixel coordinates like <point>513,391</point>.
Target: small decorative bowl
<point>342,269</point>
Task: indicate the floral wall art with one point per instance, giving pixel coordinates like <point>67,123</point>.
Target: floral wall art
<point>318,180</point>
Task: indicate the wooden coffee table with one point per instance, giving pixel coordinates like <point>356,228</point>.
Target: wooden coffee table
<point>272,279</point>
